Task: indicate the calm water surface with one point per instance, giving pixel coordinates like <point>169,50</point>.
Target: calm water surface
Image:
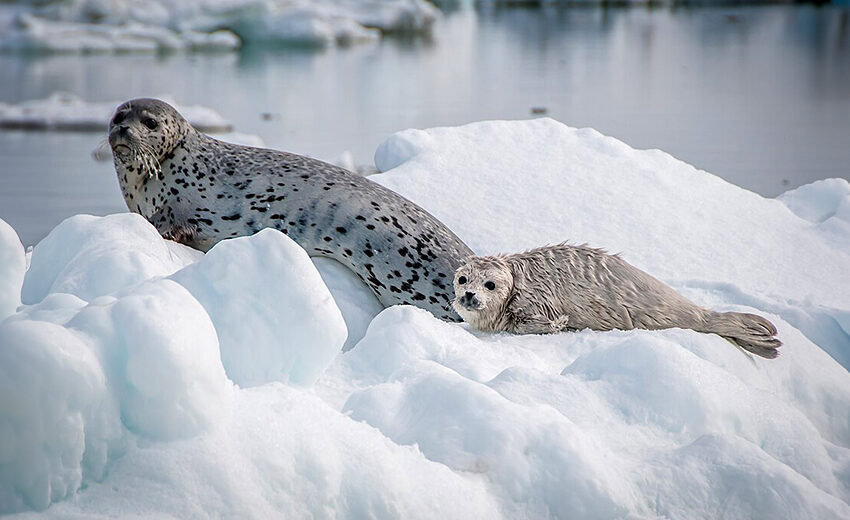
<point>757,95</point>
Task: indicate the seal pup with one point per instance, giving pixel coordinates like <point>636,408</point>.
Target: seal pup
<point>197,190</point>
<point>566,287</point>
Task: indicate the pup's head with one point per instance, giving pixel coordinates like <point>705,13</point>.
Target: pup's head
<point>482,287</point>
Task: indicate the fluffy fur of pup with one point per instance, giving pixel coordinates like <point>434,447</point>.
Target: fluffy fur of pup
<point>564,287</point>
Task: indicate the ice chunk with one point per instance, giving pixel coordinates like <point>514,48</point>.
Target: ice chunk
<point>32,33</point>
<point>275,318</point>
<point>155,26</point>
<point>92,256</point>
<point>12,269</point>
<point>353,297</point>
<point>66,112</point>
<point>818,201</point>
<point>161,354</point>
<point>57,418</point>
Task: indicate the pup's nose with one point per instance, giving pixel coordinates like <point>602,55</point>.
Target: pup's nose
<point>123,130</point>
<point>469,295</point>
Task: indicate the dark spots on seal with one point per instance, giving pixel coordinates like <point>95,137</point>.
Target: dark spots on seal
<point>277,216</point>
<point>370,226</point>
<point>235,216</point>
<point>360,217</point>
<point>418,297</point>
<point>368,252</point>
<point>327,239</point>
<point>347,252</point>
<point>340,229</point>
<point>402,251</point>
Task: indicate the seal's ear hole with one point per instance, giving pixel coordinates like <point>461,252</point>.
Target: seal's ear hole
<point>150,123</point>
<point>461,280</point>
<point>489,286</point>
<point>119,117</point>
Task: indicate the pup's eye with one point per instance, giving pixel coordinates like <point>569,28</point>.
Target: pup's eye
<point>489,286</point>
<point>118,118</point>
<point>150,123</point>
<point>461,280</point>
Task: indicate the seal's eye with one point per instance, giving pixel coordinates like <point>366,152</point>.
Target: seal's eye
<point>489,286</point>
<point>118,118</point>
<point>461,280</point>
<point>150,123</point>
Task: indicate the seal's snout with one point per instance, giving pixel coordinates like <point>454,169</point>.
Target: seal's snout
<point>120,139</point>
<point>469,301</point>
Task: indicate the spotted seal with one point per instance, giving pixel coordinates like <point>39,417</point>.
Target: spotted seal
<point>565,287</point>
<point>197,190</point>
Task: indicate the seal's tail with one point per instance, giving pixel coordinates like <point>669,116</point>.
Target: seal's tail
<point>750,332</point>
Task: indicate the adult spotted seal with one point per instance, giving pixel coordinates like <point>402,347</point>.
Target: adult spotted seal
<point>198,190</point>
<point>565,287</point>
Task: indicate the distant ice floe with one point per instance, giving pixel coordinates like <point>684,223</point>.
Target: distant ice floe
<point>143,379</point>
<point>206,25</point>
<point>66,112</point>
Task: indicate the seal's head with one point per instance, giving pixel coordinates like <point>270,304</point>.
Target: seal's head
<point>143,131</point>
<point>482,288</point>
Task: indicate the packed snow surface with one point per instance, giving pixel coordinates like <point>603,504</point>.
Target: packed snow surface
<point>103,26</point>
<point>141,378</point>
<point>66,112</point>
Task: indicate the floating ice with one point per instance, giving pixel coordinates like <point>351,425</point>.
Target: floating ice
<point>68,113</point>
<point>115,398</point>
<point>162,26</point>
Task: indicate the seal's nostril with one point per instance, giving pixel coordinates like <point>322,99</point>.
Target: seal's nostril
<point>123,130</point>
<point>469,295</point>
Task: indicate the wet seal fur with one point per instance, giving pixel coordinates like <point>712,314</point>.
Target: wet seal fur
<point>198,191</point>
<point>563,287</point>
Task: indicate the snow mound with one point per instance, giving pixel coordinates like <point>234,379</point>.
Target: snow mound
<point>69,386</point>
<point>117,394</point>
<point>824,203</point>
<point>93,256</point>
<point>357,303</point>
<point>68,113</point>
<point>663,215</point>
<point>265,337</point>
<point>207,25</point>
<point>12,269</point>
<point>598,425</point>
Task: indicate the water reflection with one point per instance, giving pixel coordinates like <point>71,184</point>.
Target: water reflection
<point>758,95</point>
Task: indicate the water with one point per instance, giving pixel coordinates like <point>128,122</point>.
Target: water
<point>757,95</point>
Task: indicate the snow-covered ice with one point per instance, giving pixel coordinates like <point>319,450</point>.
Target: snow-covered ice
<point>275,318</point>
<point>66,112</point>
<point>142,378</point>
<point>93,26</point>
